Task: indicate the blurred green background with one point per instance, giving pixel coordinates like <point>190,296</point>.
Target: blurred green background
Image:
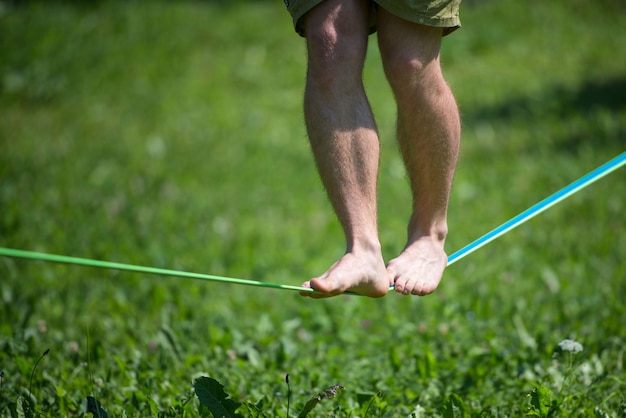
<point>170,134</point>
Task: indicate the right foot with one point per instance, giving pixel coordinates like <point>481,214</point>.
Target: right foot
<point>358,272</point>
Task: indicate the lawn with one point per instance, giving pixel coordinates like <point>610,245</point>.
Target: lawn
<point>170,134</point>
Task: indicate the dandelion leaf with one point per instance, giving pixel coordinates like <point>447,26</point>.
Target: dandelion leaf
<point>211,394</point>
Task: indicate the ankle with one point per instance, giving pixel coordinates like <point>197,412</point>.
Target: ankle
<point>436,232</point>
<point>364,245</point>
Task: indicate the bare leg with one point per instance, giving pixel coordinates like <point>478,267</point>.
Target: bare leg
<point>345,143</point>
<point>428,136</point>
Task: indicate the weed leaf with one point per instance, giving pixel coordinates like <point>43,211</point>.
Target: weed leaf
<point>21,410</point>
<point>452,404</point>
<point>255,410</point>
<point>329,393</point>
<point>211,394</point>
<point>94,407</point>
<point>600,413</point>
<point>541,402</point>
<point>366,400</point>
<point>171,341</point>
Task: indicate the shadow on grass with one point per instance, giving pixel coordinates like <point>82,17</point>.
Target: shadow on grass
<point>596,106</point>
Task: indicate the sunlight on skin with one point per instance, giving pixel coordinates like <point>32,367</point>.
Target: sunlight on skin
<point>419,268</point>
<point>416,271</point>
<point>365,275</point>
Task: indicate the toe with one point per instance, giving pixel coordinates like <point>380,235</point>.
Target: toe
<point>399,287</point>
<point>306,285</point>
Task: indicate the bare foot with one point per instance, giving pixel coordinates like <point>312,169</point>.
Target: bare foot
<point>359,272</point>
<point>418,269</point>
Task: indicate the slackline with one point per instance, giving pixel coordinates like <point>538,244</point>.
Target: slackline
<point>514,222</point>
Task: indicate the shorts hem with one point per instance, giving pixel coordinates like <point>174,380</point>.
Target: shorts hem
<point>449,24</point>
<point>299,10</point>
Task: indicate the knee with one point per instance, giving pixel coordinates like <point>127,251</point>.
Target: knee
<point>336,51</point>
<point>407,70</point>
<point>324,44</point>
<point>412,64</point>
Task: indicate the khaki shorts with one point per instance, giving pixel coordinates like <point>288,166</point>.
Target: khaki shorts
<point>437,13</point>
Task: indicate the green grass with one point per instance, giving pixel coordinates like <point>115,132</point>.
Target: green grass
<point>170,134</point>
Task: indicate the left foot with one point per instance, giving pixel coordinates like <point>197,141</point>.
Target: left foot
<point>419,268</point>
